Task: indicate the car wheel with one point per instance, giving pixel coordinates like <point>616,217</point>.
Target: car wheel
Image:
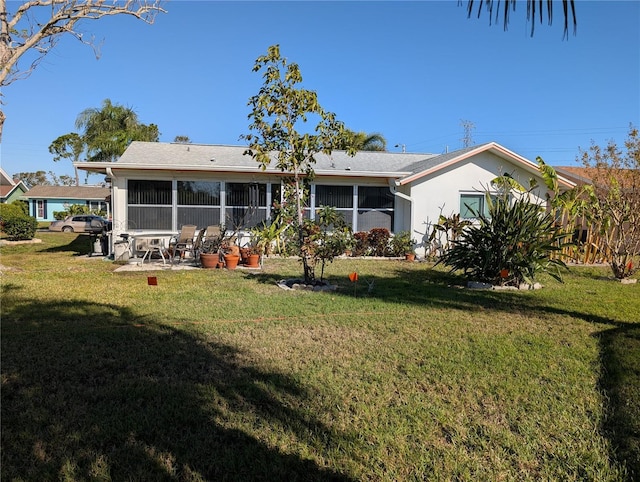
<point>67,229</point>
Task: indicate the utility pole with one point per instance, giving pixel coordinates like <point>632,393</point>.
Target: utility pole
<point>468,126</point>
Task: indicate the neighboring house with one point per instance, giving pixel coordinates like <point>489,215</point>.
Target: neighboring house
<point>10,190</point>
<point>159,187</point>
<point>45,200</point>
<point>578,175</point>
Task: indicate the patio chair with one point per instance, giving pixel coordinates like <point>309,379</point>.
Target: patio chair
<point>184,243</point>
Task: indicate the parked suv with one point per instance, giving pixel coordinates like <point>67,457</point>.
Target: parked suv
<point>84,223</point>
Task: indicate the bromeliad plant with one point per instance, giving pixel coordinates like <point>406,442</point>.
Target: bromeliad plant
<point>510,245</point>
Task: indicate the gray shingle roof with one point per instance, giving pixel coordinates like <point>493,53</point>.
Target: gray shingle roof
<point>430,163</point>
<point>403,167</point>
<point>216,157</point>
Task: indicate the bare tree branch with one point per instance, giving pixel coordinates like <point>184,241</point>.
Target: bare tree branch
<point>37,25</point>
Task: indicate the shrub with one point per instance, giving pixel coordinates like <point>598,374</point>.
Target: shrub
<point>379,241</point>
<point>77,209</point>
<point>402,243</point>
<point>17,225</point>
<point>361,243</point>
<point>10,210</point>
<point>510,245</point>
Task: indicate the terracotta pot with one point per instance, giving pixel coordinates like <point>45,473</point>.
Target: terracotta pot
<point>209,260</point>
<point>252,261</point>
<point>231,261</point>
<point>410,256</point>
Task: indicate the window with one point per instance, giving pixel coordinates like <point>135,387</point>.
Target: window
<point>198,203</point>
<point>149,204</point>
<point>246,204</point>
<point>375,208</point>
<point>40,205</point>
<point>472,204</point>
<point>96,206</point>
<point>338,197</point>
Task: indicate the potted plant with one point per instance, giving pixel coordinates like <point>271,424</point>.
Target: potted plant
<point>230,253</point>
<point>254,250</point>
<point>253,257</point>
<point>211,249</point>
<point>268,234</point>
<point>403,245</point>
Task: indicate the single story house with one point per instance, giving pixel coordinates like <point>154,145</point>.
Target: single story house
<point>10,189</point>
<point>159,187</point>
<point>45,200</point>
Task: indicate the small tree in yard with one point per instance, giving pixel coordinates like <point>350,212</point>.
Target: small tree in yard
<point>510,245</point>
<point>325,238</point>
<point>278,114</point>
<point>613,205</point>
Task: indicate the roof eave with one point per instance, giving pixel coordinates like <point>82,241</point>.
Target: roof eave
<point>102,168</point>
<point>496,149</point>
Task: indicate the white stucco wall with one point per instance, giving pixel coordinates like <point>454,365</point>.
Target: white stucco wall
<point>439,193</point>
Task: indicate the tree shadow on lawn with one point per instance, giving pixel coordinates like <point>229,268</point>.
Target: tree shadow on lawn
<point>619,341</point>
<point>94,390</point>
<point>81,245</point>
<point>620,380</point>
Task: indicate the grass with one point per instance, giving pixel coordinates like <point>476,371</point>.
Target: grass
<point>217,375</point>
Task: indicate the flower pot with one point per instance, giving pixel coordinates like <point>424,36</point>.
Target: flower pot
<point>231,261</point>
<point>410,256</point>
<point>209,260</point>
<point>252,261</point>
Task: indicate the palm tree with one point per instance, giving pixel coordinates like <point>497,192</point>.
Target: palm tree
<point>109,130</point>
<point>534,8</point>
<point>361,141</point>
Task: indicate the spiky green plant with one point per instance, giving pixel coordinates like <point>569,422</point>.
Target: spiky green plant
<point>510,245</point>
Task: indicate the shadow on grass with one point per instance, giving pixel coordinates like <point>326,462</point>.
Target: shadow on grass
<point>619,338</point>
<point>80,245</point>
<point>90,392</point>
<point>620,379</point>
<point>619,341</point>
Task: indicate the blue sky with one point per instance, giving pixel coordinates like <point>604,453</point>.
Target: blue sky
<point>412,71</point>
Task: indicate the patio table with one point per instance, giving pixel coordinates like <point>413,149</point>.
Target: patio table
<point>150,242</point>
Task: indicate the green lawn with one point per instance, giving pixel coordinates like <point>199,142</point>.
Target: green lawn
<point>221,375</point>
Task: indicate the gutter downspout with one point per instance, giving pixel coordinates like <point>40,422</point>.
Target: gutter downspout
<point>393,187</point>
<point>113,233</point>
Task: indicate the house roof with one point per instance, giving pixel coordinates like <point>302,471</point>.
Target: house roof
<point>68,192</point>
<point>218,158</point>
<point>8,185</point>
<point>6,190</point>
<point>403,167</point>
<point>625,177</point>
<point>6,179</point>
<point>578,175</point>
<point>437,163</point>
